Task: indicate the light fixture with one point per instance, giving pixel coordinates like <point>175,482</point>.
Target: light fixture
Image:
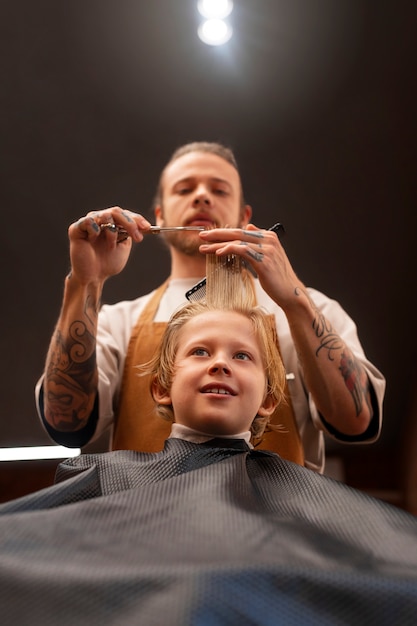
<point>214,32</point>
<point>215,9</point>
<point>30,453</point>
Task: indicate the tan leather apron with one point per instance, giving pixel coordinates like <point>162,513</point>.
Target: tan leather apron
<point>139,427</point>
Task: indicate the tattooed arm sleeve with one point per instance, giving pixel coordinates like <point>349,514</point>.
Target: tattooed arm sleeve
<point>70,383</point>
<point>337,381</point>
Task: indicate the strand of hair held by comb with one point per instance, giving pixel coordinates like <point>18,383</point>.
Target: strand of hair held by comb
<point>229,284</point>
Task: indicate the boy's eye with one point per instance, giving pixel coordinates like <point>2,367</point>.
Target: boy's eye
<point>200,352</point>
<point>183,190</point>
<point>242,356</point>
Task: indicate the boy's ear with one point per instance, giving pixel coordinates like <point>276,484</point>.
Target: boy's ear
<point>160,395</point>
<point>267,407</point>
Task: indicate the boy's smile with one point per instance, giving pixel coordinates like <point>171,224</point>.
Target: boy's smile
<point>220,390</point>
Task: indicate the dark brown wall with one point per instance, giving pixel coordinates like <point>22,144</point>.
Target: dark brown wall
<point>317,99</point>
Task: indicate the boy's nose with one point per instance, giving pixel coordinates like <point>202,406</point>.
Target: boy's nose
<point>219,365</point>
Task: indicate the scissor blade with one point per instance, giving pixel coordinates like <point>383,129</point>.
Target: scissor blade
<point>122,234</point>
<point>164,229</point>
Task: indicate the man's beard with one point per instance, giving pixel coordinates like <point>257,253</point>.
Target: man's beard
<point>186,243</point>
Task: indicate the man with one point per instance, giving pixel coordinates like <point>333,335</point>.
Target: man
<point>91,381</point>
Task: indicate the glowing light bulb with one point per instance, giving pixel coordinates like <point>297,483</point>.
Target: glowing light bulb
<point>214,32</point>
<point>215,9</point>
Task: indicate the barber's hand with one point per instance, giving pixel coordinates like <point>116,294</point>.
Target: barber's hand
<point>97,253</point>
<point>263,251</point>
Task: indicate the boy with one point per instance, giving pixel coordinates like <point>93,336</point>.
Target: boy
<point>218,372</point>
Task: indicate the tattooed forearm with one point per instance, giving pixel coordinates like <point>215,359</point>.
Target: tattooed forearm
<point>353,374</point>
<point>330,341</point>
<point>73,355</point>
<point>70,378</point>
<point>71,373</point>
<point>355,379</point>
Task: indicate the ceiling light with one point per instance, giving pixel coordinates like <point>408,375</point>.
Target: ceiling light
<point>215,9</point>
<point>214,32</point>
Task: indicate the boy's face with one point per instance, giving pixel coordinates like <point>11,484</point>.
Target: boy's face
<point>200,189</point>
<point>219,382</point>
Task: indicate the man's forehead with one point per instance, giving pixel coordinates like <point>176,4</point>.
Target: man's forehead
<point>196,164</point>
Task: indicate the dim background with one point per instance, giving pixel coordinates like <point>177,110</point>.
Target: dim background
<point>316,97</point>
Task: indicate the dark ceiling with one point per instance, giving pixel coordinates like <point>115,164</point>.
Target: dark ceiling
<point>315,96</point>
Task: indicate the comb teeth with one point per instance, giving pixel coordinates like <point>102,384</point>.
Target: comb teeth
<point>198,292</point>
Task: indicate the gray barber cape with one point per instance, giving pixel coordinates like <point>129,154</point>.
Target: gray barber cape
<point>203,536</point>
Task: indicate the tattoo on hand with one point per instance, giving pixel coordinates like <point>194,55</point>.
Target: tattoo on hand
<point>253,254</point>
<point>125,215</point>
<point>254,233</point>
<point>256,256</point>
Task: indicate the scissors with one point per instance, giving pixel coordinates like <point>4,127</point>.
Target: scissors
<point>122,234</point>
